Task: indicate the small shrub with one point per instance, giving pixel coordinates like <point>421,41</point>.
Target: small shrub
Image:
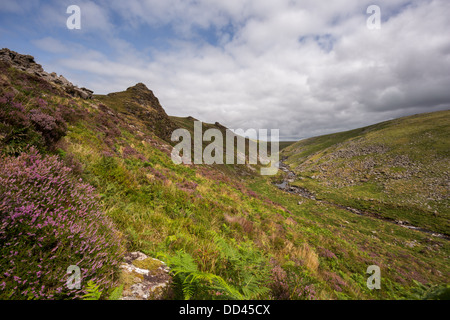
<point>290,285</point>
<point>49,221</point>
<point>327,253</point>
<point>72,112</point>
<point>128,151</point>
<point>73,163</point>
<point>41,126</point>
<point>16,130</point>
<point>13,113</point>
<point>48,122</point>
<point>52,128</point>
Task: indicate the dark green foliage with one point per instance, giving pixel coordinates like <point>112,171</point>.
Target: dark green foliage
<point>434,292</point>
<point>243,274</point>
<point>247,267</point>
<point>190,283</point>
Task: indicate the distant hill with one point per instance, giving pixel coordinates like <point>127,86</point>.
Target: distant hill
<point>399,168</point>
<point>285,144</point>
<point>188,124</point>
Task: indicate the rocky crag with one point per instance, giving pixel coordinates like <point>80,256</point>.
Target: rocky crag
<point>27,64</point>
<point>139,102</point>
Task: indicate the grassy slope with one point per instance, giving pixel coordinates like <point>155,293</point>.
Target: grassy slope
<point>228,169</point>
<point>403,255</point>
<point>164,208</point>
<point>285,144</point>
<point>164,216</point>
<point>398,169</point>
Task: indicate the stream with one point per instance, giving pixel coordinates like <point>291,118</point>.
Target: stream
<point>290,177</point>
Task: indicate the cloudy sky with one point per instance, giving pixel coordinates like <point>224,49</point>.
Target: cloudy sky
<point>306,67</point>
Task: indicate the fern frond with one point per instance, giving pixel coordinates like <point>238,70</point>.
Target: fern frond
<point>93,291</point>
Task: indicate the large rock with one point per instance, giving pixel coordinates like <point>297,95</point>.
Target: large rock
<point>144,278</point>
<point>27,64</point>
<point>22,62</point>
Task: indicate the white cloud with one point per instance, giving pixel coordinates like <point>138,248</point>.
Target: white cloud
<point>305,67</point>
<point>52,45</point>
<point>13,6</point>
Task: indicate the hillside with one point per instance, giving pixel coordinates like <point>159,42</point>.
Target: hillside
<point>139,105</point>
<point>234,169</point>
<point>399,169</point>
<point>225,233</point>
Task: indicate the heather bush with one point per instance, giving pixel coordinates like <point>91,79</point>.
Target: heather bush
<point>41,126</point>
<point>49,221</point>
<point>72,112</point>
<point>48,122</point>
<point>290,285</point>
<point>52,128</point>
<point>12,112</point>
<point>128,151</point>
<point>16,130</point>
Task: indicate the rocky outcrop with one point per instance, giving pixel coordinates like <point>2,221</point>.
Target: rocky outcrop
<point>140,102</point>
<point>144,278</point>
<point>27,64</point>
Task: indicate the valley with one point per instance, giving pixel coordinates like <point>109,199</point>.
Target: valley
<point>85,180</point>
<point>290,177</point>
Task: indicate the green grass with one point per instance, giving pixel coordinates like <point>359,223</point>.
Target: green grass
<point>398,169</point>
<point>285,144</point>
<point>358,241</point>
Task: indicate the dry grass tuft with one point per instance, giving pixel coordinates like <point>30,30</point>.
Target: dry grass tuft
<point>304,253</point>
<point>246,225</point>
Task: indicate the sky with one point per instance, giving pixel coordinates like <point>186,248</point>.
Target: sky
<point>306,68</point>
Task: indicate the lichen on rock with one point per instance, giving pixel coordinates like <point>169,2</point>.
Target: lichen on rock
<point>144,278</point>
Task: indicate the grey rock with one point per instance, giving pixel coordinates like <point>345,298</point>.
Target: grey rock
<point>144,283</point>
<point>27,64</point>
